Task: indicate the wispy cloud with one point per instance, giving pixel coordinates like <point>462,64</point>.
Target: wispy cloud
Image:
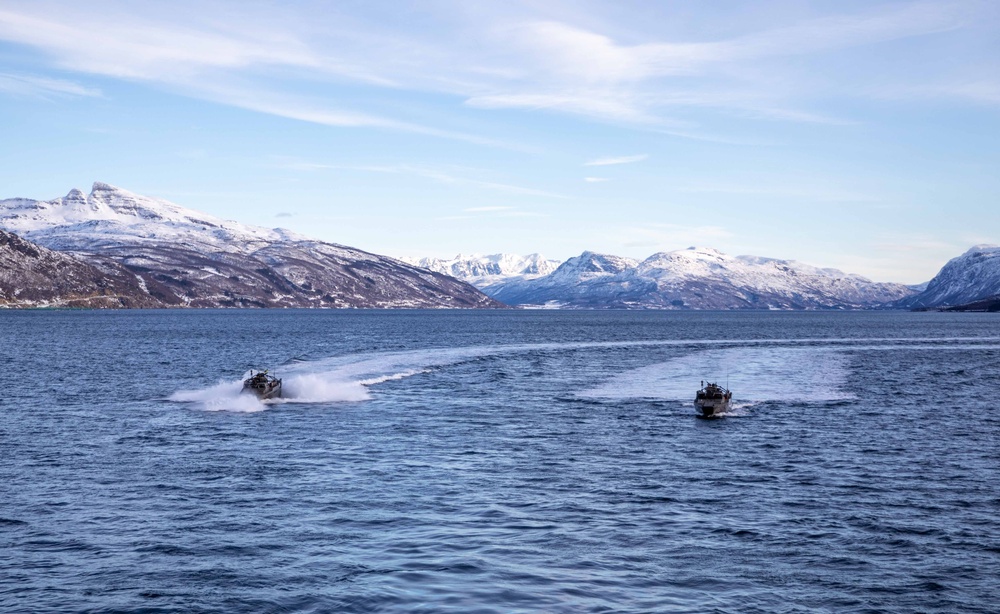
<point>817,193</point>
<point>975,90</point>
<point>486,209</point>
<point>616,160</point>
<point>438,175</point>
<point>274,59</point>
<point>308,110</point>
<point>614,106</point>
<point>596,179</point>
<point>232,65</point>
<point>43,87</point>
<point>576,69</point>
<point>478,213</point>
<point>126,45</point>
<point>671,236</point>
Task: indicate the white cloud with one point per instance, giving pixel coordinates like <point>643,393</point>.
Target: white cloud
<point>438,175</point>
<point>225,65</point>
<point>574,69</point>
<point>43,87</point>
<point>975,90</point>
<point>607,106</point>
<point>596,179</point>
<point>816,193</point>
<point>671,236</point>
<point>123,45</point>
<point>563,59</point>
<point>616,160</point>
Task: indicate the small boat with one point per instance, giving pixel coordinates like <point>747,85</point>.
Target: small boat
<point>712,400</point>
<point>263,385</point>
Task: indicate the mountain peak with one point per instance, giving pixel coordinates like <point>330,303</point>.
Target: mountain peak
<point>697,278</point>
<point>110,214</point>
<point>481,270</point>
<point>167,254</point>
<point>75,196</point>
<point>964,279</point>
<point>100,186</point>
<point>982,248</point>
<point>593,263</point>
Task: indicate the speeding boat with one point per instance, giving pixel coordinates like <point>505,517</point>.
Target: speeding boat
<point>263,385</point>
<point>712,400</point>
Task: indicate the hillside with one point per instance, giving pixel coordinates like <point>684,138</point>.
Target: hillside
<point>198,260</point>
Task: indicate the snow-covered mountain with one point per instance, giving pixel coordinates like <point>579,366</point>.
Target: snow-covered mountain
<point>695,278</point>
<point>34,276</point>
<point>198,260</point>
<point>480,270</point>
<point>970,277</point>
<point>110,216</point>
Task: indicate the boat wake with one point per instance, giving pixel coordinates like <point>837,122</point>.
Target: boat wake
<point>343,379</point>
<point>787,370</point>
<point>736,410</point>
<point>299,388</point>
<point>755,375</point>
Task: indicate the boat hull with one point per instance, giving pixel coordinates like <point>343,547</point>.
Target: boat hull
<point>710,408</point>
<point>263,388</point>
<point>264,393</point>
<point>712,400</point>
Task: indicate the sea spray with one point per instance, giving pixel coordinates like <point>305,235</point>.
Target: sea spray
<point>321,388</point>
<point>756,375</point>
<point>223,396</point>
<point>805,369</point>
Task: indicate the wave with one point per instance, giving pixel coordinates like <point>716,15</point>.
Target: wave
<point>755,375</point>
<point>760,370</point>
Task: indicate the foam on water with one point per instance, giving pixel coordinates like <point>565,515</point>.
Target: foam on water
<point>754,375</point>
<point>395,376</point>
<point>474,480</point>
<point>223,396</point>
<point>803,370</point>
<point>320,388</point>
<point>316,387</point>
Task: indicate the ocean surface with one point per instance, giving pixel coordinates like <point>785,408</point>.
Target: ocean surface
<point>499,461</point>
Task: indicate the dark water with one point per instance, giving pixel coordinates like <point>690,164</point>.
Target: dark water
<point>499,462</point>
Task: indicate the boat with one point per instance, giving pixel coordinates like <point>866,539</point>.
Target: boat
<point>712,400</point>
<point>263,385</point>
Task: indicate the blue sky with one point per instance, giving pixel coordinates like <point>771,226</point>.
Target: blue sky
<point>857,135</point>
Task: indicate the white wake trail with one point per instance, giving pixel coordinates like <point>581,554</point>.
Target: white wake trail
<point>759,369</point>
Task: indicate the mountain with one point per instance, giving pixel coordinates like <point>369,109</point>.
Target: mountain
<point>968,278</point>
<point>34,276</point>
<point>695,278</point>
<point>481,270</point>
<point>589,280</point>
<point>187,258</point>
<point>990,303</point>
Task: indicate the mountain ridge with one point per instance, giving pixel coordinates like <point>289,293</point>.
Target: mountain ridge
<point>199,260</point>
<point>479,269</point>
<point>34,276</point>
<point>693,278</point>
<point>967,278</point>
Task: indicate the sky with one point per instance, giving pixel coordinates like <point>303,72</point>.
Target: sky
<point>860,135</point>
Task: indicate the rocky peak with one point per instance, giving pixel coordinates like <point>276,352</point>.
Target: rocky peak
<point>592,262</point>
<point>75,196</point>
<point>972,276</point>
<point>187,258</point>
